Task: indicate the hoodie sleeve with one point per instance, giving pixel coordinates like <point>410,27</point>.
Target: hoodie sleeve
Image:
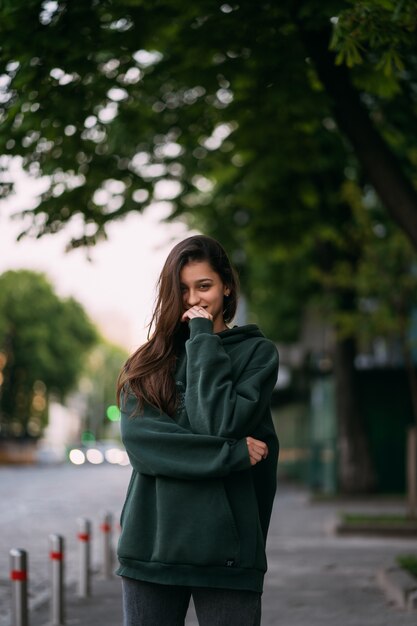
<point>216,404</point>
<point>158,446</point>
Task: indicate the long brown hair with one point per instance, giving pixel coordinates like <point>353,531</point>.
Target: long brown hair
<point>149,372</point>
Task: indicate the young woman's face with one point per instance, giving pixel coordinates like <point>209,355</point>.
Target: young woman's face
<point>202,286</point>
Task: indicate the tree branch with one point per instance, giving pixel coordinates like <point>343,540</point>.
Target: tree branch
<point>382,167</point>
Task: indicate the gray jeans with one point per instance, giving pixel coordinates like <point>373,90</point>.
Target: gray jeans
<point>151,604</point>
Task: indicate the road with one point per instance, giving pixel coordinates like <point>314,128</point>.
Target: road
<point>39,501</point>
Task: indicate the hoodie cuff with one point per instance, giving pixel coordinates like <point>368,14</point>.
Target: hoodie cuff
<point>200,325</point>
<point>240,456</point>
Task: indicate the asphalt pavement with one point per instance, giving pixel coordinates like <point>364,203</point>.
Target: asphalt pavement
<point>314,579</point>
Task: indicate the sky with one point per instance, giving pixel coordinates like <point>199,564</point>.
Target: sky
<point>117,286</point>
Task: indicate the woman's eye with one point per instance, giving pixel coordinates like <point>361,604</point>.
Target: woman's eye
<point>204,286</point>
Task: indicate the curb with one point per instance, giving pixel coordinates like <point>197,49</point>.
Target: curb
<point>399,586</point>
<point>377,530</point>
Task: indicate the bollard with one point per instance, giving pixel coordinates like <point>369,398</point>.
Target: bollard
<point>56,556</point>
<point>19,577</point>
<point>106,545</point>
<point>84,539</point>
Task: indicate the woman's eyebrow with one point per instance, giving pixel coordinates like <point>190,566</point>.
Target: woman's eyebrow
<point>199,280</point>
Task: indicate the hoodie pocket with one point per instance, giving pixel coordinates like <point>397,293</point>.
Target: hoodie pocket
<point>195,524</point>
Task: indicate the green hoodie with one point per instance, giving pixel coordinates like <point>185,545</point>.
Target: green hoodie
<point>196,511</point>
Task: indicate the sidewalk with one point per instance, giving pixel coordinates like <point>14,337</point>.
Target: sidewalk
<point>104,608</point>
<point>314,577</point>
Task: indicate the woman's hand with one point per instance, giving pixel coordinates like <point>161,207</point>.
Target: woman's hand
<point>196,311</point>
<point>258,450</point>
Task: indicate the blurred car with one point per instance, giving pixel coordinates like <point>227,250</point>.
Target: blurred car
<point>110,452</point>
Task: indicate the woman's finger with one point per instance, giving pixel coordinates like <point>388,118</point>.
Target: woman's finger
<point>258,450</point>
<point>196,311</point>
<point>257,444</point>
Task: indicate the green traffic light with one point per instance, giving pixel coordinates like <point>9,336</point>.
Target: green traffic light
<point>113,413</point>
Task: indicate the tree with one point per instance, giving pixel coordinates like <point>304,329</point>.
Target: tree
<point>98,385</point>
<point>386,289</point>
<point>43,343</point>
<point>372,106</point>
<point>381,285</point>
<point>190,93</point>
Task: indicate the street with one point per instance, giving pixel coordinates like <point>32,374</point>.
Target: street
<point>314,577</point>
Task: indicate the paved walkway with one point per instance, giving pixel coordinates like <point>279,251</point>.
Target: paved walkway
<point>314,578</point>
<point>317,579</point>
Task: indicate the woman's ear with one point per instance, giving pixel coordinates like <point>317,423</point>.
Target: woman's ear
<point>226,291</point>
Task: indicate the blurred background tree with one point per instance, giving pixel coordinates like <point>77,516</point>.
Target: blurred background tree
<point>43,344</point>
<point>97,387</point>
<point>254,120</point>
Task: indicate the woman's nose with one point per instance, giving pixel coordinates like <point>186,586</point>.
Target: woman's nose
<point>193,298</point>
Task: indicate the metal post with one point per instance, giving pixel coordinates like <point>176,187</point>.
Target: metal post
<point>84,540</point>
<point>106,539</point>
<point>56,556</point>
<point>19,577</point>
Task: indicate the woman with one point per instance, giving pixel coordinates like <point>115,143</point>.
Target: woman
<point>197,426</point>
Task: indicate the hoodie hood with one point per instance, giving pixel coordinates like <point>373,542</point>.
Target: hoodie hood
<point>240,333</point>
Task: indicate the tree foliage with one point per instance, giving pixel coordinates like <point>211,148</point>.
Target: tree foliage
<point>384,29</point>
<point>223,110</point>
<point>43,342</point>
<point>238,106</point>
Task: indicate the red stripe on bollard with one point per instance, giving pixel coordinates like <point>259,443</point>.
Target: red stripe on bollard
<point>106,528</point>
<point>18,575</point>
<point>56,556</point>
<point>83,537</point>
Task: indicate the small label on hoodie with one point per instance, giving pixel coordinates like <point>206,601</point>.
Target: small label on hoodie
<point>229,563</point>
